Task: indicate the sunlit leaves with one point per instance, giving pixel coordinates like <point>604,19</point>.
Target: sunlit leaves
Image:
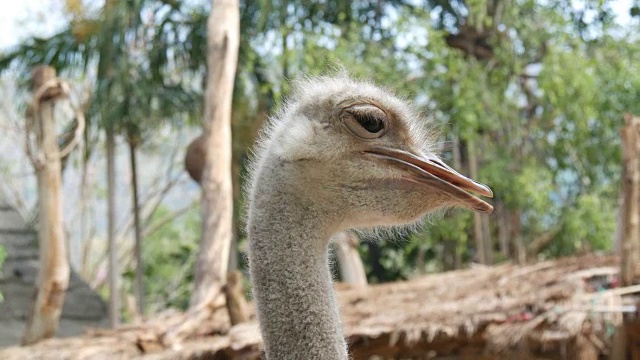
<point>588,225</point>
<point>543,110</point>
<point>169,258</point>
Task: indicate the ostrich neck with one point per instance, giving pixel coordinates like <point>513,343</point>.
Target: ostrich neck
<point>292,286</point>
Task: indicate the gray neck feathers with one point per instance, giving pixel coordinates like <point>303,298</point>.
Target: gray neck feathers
<point>288,255</point>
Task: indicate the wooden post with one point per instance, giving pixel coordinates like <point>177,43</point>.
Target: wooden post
<point>626,344</point>
<point>630,263</point>
<point>53,275</point>
<point>351,267</point>
<point>223,39</point>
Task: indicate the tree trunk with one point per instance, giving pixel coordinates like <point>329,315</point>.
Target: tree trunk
<point>194,162</point>
<point>630,266</point>
<point>482,248</point>
<point>105,70</point>
<point>53,275</point>
<point>236,302</point>
<point>519,251</point>
<point>217,195</point>
<point>114,298</point>
<point>486,236</point>
<point>503,229</point>
<point>349,261</point>
<point>85,238</point>
<point>450,254</point>
<point>223,39</point>
<point>137,248</point>
<point>451,258</point>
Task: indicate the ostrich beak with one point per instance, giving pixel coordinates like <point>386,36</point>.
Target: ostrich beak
<point>432,171</point>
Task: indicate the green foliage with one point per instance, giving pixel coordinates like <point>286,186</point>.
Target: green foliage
<point>146,65</point>
<point>169,257</point>
<point>441,246</point>
<point>542,104</point>
<point>587,226</point>
<point>543,111</point>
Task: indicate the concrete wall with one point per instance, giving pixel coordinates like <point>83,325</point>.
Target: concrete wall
<point>83,308</point>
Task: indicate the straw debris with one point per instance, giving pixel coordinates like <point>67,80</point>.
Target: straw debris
<point>567,306</point>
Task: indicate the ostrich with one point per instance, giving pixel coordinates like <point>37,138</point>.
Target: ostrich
<point>341,155</point>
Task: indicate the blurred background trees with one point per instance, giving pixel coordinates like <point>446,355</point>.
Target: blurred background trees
<point>528,95</point>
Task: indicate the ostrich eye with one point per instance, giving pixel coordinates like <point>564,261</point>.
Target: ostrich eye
<point>370,122</point>
<point>366,121</point>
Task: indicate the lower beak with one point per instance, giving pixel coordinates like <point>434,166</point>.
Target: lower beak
<point>431,171</point>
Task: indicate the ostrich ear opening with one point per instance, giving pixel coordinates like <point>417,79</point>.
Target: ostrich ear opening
<point>432,172</point>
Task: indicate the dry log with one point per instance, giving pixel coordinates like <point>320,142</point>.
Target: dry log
<point>236,302</point>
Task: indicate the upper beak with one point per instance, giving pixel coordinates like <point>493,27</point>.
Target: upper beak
<point>430,170</point>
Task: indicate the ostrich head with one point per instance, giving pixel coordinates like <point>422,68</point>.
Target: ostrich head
<point>361,156</point>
